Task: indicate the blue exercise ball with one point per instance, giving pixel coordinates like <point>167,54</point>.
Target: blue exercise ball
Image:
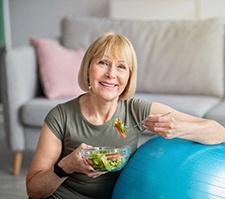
<point>173,169</point>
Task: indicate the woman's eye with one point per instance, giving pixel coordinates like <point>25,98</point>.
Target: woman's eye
<point>121,67</point>
<point>103,63</point>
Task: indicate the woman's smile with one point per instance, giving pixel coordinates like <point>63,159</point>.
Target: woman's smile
<point>108,76</point>
<point>108,85</point>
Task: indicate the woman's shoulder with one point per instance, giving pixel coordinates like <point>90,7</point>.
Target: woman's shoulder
<point>135,101</point>
<point>69,103</point>
<point>66,106</point>
<point>136,105</point>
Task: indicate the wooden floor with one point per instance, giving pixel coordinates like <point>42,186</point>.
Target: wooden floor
<point>11,187</point>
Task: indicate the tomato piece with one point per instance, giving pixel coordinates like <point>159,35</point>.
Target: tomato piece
<point>120,127</point>
<point>112,156</point>
<point>89,162</point>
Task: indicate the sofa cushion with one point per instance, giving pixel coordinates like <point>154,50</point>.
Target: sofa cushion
<point>191,104</point>
<point>174,57</point>
<point>58,68</point>
<point>33,112</point>
<point>217,113</point>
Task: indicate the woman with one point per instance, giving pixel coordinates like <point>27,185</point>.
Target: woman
<point>108,75</point>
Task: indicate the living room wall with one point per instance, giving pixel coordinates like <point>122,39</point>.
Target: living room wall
<point>2,36</point>
<point>28,18</point>
<point>42,18</point>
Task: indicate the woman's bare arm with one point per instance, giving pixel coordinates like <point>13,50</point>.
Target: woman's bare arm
<point>41,180</point>
<point>181,125</point>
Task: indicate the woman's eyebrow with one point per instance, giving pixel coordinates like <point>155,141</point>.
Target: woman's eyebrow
<point>122,61</point>
<point>109,57</point>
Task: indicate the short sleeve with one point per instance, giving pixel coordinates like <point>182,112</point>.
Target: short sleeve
<point>54,122</point>
<point>141,107</point>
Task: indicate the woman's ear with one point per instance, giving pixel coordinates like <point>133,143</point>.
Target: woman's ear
<point>89,86</point>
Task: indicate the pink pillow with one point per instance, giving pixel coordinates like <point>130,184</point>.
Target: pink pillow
<point>58,68</point>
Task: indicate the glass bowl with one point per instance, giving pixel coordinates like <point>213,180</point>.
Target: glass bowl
<point>106,158</point>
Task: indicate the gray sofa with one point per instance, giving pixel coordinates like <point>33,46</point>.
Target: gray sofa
<point>181,63</point>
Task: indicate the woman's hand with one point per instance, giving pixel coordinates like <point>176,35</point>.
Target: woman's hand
<point>182,125</point>
<point>75,163</point>
<point>164,125</point>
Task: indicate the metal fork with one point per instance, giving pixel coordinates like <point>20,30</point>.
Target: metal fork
<point>140,123</point>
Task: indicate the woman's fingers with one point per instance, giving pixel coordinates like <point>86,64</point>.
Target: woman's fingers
<point>87,165</point>
<point>163,125</point>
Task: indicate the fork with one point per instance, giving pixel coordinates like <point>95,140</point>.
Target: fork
<point>140,123</point>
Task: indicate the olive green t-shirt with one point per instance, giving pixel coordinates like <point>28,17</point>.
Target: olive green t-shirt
<point>68,123</point>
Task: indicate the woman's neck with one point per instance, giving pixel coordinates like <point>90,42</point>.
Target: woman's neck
<point>97,111</point>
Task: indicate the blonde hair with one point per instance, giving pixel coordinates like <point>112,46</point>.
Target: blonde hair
<point>118,46</point>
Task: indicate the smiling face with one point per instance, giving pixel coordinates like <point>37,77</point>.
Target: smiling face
<point>112,57</point>
<point>108,76</point>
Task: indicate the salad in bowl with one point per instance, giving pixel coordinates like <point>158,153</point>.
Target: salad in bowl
<point>106,158</point>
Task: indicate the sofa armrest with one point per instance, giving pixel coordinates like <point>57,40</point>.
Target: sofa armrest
<point>19,84</point>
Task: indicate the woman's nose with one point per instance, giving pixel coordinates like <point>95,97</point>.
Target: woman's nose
<point>111,73</point>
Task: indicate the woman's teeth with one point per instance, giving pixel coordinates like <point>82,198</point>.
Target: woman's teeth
<point>108,85</point>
